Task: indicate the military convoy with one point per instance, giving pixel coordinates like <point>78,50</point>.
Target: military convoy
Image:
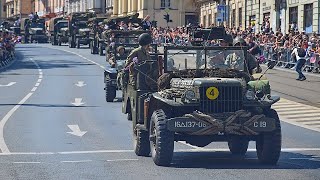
<point>58,30</point>
<point>199,105</point>
<point>33,30</point>
<point>78,29</point>
<point>96,35</point>
<point>198,94</point>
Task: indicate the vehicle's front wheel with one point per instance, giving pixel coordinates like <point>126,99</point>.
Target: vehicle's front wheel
<point>141,143</point>
<point>238,145</point>
<point>161,140</point>
<point>268,144</point>
<point>110,93</point>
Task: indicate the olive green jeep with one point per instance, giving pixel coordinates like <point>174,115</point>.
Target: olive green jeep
<point>203,95</point>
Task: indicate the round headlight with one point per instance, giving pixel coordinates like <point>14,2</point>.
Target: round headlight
<point>250,95</point>
<point>259,94</point>
<point>190,95</point>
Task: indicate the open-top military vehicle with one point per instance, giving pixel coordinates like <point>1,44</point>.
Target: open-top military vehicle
<point>33,30</point>
<point>204,94</point>
<point>58,28</point>
<point>129,41</point>
<point>97,44</point>
<point>78,28</point>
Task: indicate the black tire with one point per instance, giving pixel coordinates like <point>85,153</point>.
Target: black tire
<point>268,145</point>
<point>162,140</point>
<point>59,41</point>
<point>91,47</point>
<point>129,116</point>
<point>238,145</point>
<point>110,93</point>
<point>141,142</point>
<point>78,43</point>
<point>100,50</point>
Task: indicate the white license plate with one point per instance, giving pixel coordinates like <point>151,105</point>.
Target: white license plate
<point>189,124</point>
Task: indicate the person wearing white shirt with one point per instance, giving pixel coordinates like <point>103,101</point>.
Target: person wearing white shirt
<point>300,55</point>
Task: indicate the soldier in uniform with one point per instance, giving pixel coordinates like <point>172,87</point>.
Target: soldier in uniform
<point>235,60</point>
<point>138,55</point>
<point>120,55</point>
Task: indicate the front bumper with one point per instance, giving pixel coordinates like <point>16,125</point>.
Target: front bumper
<point>237,123</point>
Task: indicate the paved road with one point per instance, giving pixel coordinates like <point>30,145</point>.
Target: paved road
<point>55,124</point>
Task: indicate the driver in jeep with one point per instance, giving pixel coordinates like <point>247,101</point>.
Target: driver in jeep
<point>138,55</point>
<point>236,59</point>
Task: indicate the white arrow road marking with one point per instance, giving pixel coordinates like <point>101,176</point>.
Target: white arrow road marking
<point>7,85</point>
<point>80,84</point>
<point>77,102</point>
<point>76,130</point>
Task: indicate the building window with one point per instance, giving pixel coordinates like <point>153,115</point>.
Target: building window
<point>209,19</point>
<point>204,21</point>
<point>233,20</point>
<point>293,17</point>
<point>165,3</point>
<point>4,8</point>
<point>240,17</point>
<point>308,13</point>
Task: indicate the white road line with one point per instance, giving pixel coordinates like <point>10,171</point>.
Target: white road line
<point>39,80</point>
<point>299,112</point>
<point>40,76</point>
<point>33,89</point>
<point>40,72</point>
<point>101,66</point>
<point>119,160</point>
<point>80,161</point>
<point>3,145</point>
<point>295,116</point>
<point>194,147</point>
<point>287,106</point>
<point>299,124</point>
<point>291,109</point>
<point>131,151</point>
<point>27,162</point>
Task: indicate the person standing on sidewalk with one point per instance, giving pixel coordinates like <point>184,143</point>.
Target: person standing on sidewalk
<point>300,53</point>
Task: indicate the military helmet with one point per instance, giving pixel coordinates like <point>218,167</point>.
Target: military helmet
<point>239,41</point>
<point>145,39</point>
<point>119,48</point>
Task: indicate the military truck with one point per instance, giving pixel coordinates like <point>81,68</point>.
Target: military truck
<point>200,104</point>
<point>97,44</point>
<point>129,40</point>
<point>58,29</point>
<point>33,30</point>
<point>78,28</point>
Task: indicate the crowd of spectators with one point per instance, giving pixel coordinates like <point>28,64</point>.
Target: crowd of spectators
<point>7,45</point>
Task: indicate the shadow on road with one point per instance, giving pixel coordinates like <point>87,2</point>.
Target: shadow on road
<point>48,105</point>
<point>225,160</point>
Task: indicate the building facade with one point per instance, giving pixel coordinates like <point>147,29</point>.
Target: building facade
<point>49,8</point>
<point>280,14</point>
<point>98,6</point>
<point>181,12</point>
<point>17,8</point>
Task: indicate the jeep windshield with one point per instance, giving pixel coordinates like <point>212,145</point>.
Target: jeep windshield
<point>179,58</point>
<point>62,24</point>
<point>37,25</point>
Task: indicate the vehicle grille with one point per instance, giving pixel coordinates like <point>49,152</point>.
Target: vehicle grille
<point>229,100</point>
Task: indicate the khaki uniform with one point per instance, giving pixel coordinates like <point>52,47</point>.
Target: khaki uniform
<point>142,55</point>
